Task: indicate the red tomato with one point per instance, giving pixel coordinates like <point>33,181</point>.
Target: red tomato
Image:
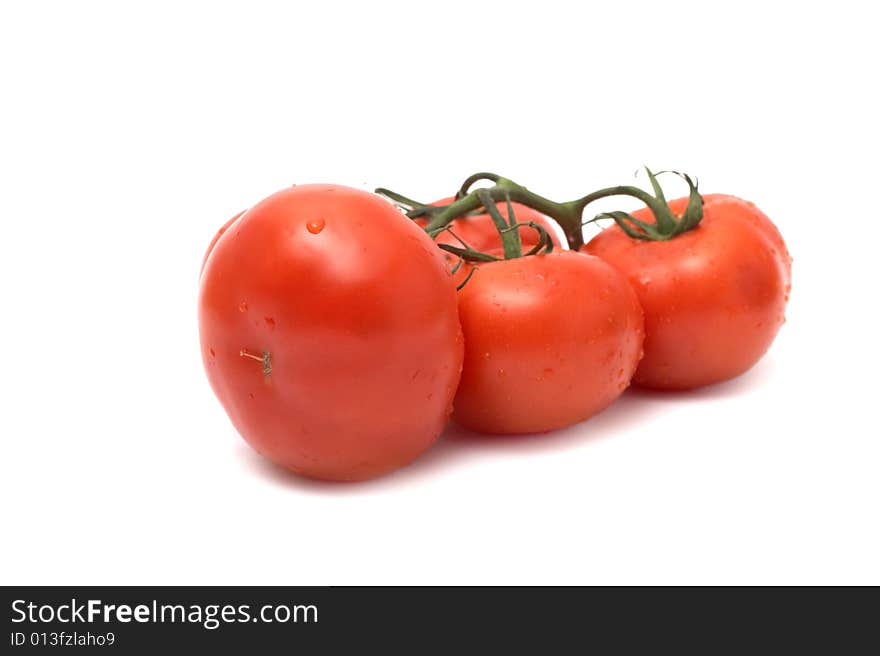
<point>330,333</point>
<point>216,238</point>
<point>714,297</point>
<point>480,233</point>
<point>550,340</point>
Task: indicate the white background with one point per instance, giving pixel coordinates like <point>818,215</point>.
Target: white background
<point>129,135</point>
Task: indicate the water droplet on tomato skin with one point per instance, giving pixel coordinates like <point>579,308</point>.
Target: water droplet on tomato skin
<point>315,226</point>
<point>242,307</point>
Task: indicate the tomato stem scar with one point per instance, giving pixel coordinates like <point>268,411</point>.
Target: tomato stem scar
<point>265,359</point>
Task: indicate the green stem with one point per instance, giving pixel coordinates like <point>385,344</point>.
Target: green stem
<point>620,190</point>
<point>468,254</point>
<point>510,240</point>
<point>658,206</point>
<point>471,179</point>
<point>569,215</point>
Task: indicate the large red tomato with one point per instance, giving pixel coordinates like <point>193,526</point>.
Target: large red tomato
<point>550,340</point>
<point>480,233</point>
<point>714,297</point>
<point>330,333</point>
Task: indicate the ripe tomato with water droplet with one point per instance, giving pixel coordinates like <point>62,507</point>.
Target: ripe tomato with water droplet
<point>544,346</point>
<point>335,352</point>
<point>714,297</point>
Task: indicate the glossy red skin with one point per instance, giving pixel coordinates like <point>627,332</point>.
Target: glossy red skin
<point>550,340</point>
<point>361,323</point>
<point>714,297</point>
<point>480,233</point>
<point>216,238</point>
